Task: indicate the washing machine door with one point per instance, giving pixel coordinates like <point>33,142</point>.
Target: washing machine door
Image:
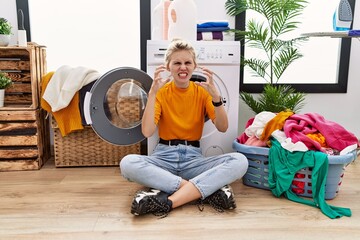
<point>115,105</point>
<point>198,76</point>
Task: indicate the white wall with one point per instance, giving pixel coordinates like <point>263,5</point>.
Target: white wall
<point>96,34</point>
<point>8,11</point>
<point>105,34</point>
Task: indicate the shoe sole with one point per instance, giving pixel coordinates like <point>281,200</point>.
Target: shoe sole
<point>135,210</point>
<point>135,207</point>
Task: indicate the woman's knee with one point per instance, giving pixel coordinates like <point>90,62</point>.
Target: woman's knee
<point>239,162</point>
<point>128,163</point>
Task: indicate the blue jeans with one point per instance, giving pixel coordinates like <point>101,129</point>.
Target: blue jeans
<point>168,165</point>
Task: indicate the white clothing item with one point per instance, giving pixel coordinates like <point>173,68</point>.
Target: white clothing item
<point>348,149</point>
<point>287,144</point>
<point>65,82</point>
<point>260,120</point>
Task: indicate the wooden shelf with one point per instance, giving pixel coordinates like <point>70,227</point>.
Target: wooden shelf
<point>24,129</point>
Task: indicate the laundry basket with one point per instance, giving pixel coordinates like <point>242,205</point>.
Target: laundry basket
<point>258,172</point>
<point>86,148</point>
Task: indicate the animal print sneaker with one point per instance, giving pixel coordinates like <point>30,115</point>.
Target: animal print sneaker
<point>221,200</point>
<point>153,201</point>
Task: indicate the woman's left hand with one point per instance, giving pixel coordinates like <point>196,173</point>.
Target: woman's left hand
<point>209,85</point>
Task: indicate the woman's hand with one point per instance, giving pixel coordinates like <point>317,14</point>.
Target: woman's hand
<point>221,120</point>
<point>159,81</point>
<point>209,85</point>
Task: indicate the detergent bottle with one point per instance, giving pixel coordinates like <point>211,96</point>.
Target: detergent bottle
<point>157,21</point>
<point>182,16</point>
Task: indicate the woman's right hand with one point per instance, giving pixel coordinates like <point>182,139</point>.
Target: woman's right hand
<point>159,81</point>
<point>148,126</point>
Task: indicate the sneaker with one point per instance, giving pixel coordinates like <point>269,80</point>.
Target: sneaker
<point>153,201</point>
<point>221,200</point>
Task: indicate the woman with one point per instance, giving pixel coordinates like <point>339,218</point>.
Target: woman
<point>176,171</point>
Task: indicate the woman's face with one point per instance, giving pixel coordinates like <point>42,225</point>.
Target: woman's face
<point>181,67</point>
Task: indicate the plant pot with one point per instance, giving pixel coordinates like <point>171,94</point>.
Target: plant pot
<point>4,40</point>
<point>2,97</point>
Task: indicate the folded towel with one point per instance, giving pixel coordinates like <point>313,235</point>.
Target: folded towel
<point>212,24</point>
<point>219,36</point>
<point>208,36</point>
<point>212,29</point>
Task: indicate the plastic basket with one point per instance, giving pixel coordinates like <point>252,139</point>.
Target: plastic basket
<point>258,171</point>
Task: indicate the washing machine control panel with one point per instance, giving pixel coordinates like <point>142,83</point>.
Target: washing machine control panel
<point>204,54</point>
<point>217,54</point>
<point>208,52</point>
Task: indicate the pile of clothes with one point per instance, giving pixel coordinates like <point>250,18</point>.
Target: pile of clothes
<point>298,132</point>
<point>299,141</point>
<point>62,94</point>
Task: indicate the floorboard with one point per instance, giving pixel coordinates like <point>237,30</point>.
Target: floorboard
<point>94,203</point>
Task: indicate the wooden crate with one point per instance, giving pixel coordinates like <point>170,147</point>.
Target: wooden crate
<point>86,148</point>
<point>25,66</point>
<point>24,131</point>
<point>24,141</point>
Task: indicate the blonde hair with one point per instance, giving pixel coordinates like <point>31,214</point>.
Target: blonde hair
<point>179,45</point>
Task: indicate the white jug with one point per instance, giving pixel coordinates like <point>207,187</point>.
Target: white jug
<point>182,15</point>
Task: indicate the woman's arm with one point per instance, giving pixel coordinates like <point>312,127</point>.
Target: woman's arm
<point>148,126</point>
<point>221,120</point>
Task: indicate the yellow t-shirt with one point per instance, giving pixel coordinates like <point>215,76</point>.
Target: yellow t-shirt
<point>180,113</point>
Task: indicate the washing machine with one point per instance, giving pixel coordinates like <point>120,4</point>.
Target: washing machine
<point>223,58</point>
<point>115,103</point>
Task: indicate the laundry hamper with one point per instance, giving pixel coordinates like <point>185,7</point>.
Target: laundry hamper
<point>258,171</point>
<point>86,148</point>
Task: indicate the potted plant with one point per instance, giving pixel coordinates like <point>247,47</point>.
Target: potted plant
<point>5,82</point>
<point>5,32</point>
<point>266,34</point>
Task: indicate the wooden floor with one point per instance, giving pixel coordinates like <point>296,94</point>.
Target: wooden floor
<point>94,203</point>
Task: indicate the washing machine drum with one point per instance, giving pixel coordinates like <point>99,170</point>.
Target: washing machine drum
<point>115,105</point>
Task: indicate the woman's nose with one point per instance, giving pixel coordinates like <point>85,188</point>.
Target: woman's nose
<point>183,66</point>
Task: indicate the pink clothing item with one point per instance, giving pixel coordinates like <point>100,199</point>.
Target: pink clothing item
<point>254,141</point>
<point>337,137</point>
<point>243,137</point>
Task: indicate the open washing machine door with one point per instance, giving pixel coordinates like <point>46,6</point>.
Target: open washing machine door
<point>115,105</point>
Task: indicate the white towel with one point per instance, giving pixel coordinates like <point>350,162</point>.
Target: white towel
<point>65,82</point>
<point>287,144</point>
<point>258,125</point>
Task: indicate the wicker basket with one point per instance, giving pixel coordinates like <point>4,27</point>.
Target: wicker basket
<point>86,148</point>
<point>258,172</point>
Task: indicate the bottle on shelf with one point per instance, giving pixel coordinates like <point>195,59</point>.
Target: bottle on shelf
<point>182,16</point>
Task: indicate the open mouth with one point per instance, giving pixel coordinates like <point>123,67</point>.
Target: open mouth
<point>182,75</point>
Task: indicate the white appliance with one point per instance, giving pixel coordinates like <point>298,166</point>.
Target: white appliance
<point>223,58</point>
